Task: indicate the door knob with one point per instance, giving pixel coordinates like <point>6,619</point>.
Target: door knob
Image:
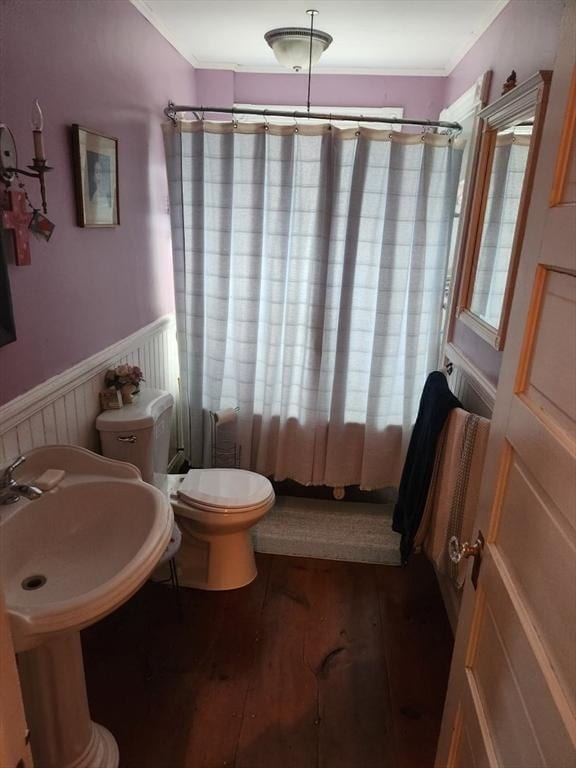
<point>457,551</point>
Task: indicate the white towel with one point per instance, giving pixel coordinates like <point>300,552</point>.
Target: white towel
<point>453,496</point>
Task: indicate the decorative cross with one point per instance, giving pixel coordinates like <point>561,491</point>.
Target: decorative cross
<point>15,216</point>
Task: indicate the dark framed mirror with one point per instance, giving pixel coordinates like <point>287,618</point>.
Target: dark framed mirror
<point>7,327</point>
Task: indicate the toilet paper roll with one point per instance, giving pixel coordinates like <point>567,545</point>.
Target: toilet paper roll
<point>225,416</point>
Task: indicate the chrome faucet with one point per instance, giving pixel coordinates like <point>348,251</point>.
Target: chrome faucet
<point>10,490</point>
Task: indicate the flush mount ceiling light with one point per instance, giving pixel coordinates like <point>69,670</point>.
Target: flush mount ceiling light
<point>298,48</point>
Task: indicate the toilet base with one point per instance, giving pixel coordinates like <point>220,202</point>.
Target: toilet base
<point>214,562</point>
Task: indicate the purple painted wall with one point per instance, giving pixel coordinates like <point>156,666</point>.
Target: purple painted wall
<point>523,37</point>
<point>215,87</point>
<point>420,96</point>
<point>102,65</point>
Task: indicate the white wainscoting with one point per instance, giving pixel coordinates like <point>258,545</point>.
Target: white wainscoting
<point>63,409</point>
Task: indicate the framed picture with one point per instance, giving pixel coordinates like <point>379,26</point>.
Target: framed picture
<point>96,175</point>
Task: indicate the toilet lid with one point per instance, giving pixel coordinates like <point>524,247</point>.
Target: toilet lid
<point>227,488</point>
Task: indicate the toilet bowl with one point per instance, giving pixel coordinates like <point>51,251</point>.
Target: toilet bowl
<point>215,509</point>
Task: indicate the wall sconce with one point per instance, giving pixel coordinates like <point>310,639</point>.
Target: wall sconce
<point>9,159</point>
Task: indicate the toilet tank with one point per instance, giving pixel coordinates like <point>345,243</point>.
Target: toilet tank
<point>139,432</point>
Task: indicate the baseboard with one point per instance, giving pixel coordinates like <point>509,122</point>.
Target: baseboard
<point>450,598</point>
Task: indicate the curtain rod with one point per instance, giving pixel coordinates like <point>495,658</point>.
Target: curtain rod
<point>173,110</point>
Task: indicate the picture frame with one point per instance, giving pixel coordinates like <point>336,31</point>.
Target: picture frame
<point>95,158</point>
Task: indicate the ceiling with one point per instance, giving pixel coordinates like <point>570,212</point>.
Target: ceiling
<point>401,37</point>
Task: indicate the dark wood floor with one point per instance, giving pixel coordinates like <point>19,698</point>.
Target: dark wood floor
<point>317,664</point>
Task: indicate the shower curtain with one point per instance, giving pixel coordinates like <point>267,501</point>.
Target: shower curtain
<point>309,266</point>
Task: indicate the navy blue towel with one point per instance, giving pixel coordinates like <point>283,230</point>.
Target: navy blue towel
<point>435,405</point>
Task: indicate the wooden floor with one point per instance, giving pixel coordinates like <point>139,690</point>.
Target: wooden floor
<point>317,664</point>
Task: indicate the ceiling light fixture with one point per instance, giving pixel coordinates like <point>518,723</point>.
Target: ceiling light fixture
<point>299,47</point>
<point>291,45</point>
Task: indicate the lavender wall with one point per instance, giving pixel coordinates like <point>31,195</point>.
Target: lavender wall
<point>215,87</point>
<point>523,37</point>
<point>420,96</point>
<point>100,64</point>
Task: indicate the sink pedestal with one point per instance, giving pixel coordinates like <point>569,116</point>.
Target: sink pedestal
<point>54,690</point>
<point>93,540</point>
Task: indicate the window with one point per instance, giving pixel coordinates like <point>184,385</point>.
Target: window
<point>367,111</point>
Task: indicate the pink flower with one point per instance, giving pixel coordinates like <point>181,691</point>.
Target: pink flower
<point>122,375</point>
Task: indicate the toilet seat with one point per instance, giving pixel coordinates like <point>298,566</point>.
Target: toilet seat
<point>206,508</point>
<point>225,491</point>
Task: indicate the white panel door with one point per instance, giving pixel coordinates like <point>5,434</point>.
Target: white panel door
<point>511,697</point>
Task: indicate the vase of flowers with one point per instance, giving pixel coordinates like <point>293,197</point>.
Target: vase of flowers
<point>126,379</point>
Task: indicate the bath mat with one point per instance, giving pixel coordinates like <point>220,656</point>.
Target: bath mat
<point>330,530</point>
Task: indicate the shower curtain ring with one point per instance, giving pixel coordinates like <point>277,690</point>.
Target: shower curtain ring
<point>266,123</point>
<point>295,122</point>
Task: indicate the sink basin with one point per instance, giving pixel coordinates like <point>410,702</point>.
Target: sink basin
<point>67,559</point>
<point>93,541</point>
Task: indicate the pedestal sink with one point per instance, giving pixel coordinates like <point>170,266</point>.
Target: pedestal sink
<point>68,559</point>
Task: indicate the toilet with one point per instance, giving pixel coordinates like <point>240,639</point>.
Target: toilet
<point>215,508</point>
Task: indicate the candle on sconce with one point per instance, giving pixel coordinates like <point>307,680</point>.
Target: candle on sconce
<point>37,122</point>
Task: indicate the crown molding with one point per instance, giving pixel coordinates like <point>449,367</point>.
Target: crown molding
<point>149,14</point>
<point>320,70</point>
<point>491,15</point>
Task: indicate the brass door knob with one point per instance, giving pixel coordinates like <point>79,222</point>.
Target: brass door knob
<point>457,551</point>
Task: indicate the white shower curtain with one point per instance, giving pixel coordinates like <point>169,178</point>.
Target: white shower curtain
<point>309,266</point>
